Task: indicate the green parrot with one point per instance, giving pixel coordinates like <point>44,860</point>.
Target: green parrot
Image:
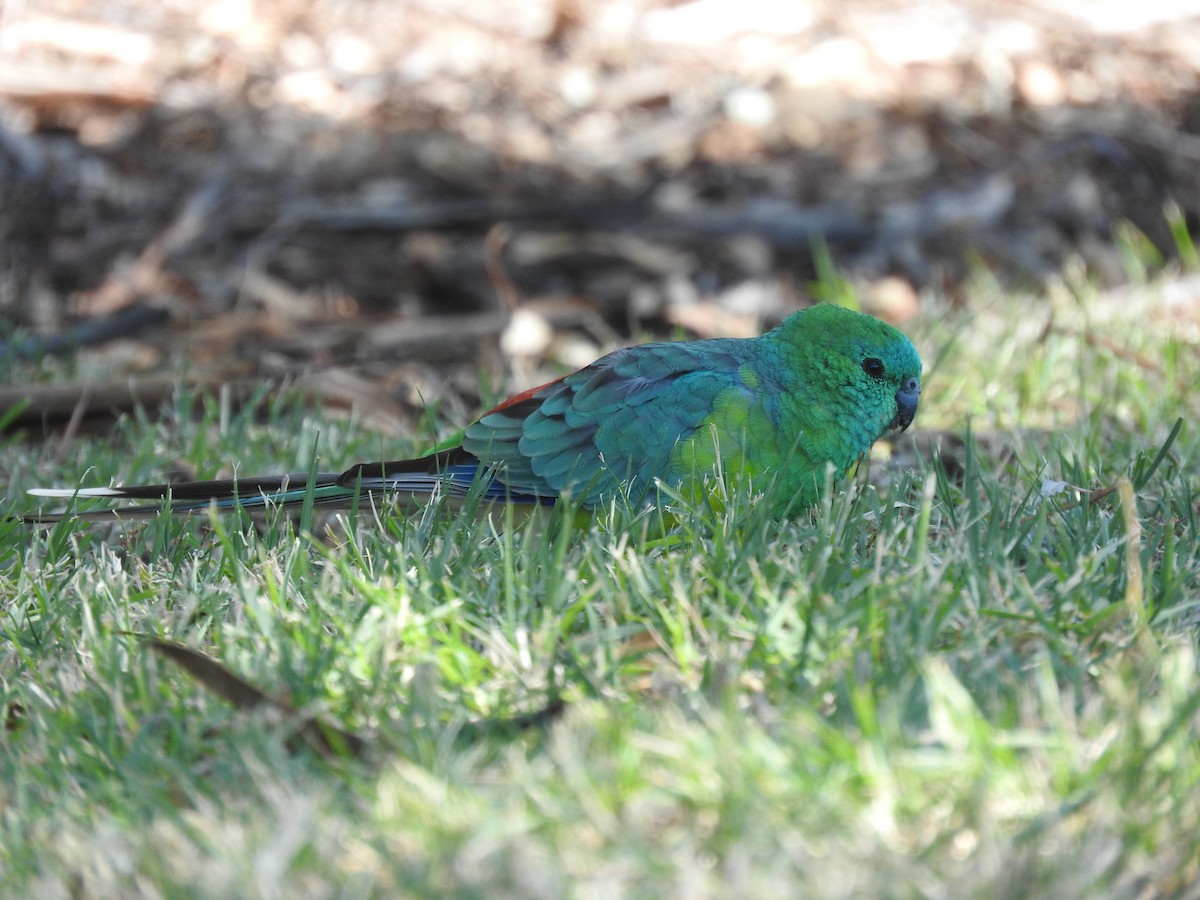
<point>812,394</point>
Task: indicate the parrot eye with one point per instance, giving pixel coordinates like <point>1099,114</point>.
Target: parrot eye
<point>873,367</point>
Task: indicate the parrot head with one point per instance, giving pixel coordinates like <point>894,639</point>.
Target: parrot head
<point>882,372</point>
<point>862,371</point>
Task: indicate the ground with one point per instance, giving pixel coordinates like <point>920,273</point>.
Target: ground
<point>244,237</point>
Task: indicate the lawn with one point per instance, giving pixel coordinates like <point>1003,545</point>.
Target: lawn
<point>970,673</point>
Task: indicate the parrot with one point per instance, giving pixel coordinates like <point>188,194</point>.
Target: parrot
<point>810,396</point>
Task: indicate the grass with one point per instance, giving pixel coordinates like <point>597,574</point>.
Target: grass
<point>957,677</point>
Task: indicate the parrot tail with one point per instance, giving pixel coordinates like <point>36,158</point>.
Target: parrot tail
<point>186,497</point>
<point>452,473</point>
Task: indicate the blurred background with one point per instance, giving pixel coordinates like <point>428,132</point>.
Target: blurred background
<point>374,201</point>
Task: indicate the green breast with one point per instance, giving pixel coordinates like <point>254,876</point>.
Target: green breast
<point>755,436</point>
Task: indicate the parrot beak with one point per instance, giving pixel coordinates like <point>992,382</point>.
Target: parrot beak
<point>907,400</point>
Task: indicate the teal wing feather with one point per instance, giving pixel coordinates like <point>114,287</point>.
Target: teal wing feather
<point>611,424</point>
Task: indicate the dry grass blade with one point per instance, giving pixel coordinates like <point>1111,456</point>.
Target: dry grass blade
<point>326,739</point>
<point>1135,601</point>
<point>215,676</point>
<point>539,718</point>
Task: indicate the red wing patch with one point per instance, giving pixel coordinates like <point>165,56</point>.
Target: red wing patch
<point>520,398</point>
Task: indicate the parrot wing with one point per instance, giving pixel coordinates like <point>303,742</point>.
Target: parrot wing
<point>613,423</point>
